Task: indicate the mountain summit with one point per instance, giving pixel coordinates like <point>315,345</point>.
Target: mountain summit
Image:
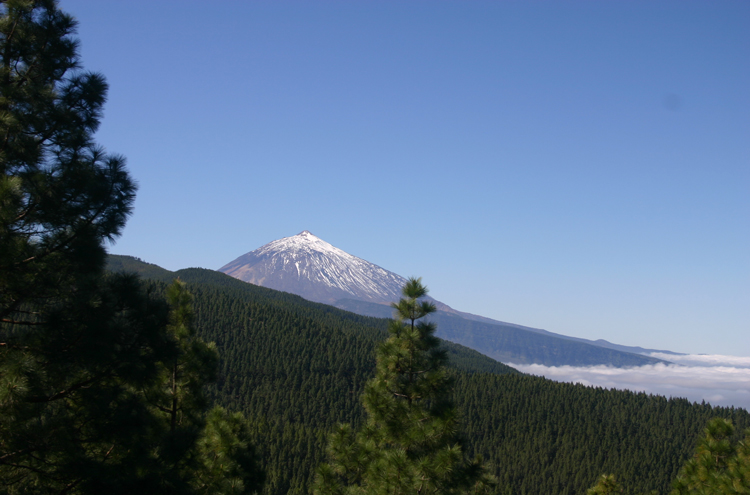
<point>307,265</point>
<point>310,267</point>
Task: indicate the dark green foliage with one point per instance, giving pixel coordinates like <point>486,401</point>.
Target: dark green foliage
<point>720,465</point>
<point>548,437</point>
<point>75,347</point>
<point>229,464</point>
<point>201,453</point>
<point>194,363</point>
<point>177,397</point>
<point>410,442</point>
<point>71,411</point>
<point>296,369</point>
<point>60,194</point>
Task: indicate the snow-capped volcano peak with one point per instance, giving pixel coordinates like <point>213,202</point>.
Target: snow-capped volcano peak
<point>304,242</point>
<point>307,265</point>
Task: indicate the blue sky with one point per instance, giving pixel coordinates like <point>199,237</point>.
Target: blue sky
<point>582,167</point>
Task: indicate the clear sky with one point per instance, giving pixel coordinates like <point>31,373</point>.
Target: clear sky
<point>582,167</point>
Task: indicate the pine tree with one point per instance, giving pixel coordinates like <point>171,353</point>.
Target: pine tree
<point>60,194</point>
<point>720,465</point>
<point>75,346</point>
<point>228,463</point>
<point>100,389</point>
<point>193,364</point>
<point>200,452</point>
<point>411,442</point>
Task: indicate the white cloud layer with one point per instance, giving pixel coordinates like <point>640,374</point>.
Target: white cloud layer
<point>704,359</point>
<point>719,380</point>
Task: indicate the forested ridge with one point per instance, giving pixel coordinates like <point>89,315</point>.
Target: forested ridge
<point>297,368</point>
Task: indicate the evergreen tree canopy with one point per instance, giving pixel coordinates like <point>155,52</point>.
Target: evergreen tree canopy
<point>100,389</point>
<point>61,195</point>
<point>201,453</point>
<point>720,466</point>
<point>74,346</point>
<point>410,443</point>
<point>296,369</point>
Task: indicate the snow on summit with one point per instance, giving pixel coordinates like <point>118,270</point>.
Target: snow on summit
<point>308,266</point>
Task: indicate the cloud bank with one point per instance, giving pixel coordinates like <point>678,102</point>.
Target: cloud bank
<point>704,359</point>
<point>719,380</point>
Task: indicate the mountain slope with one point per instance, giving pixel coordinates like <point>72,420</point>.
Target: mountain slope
<point>297,368</point>
<point>462,357</point>
<point>314,269</point>
<point>510,343</point>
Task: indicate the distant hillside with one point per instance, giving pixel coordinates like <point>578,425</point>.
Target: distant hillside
<point>297,368</point>
<point>462,357</point>
<point>131,264</point>
<point>598,342</point>
<point>512,343</point>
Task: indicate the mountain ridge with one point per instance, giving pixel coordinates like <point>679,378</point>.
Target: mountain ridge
<point>312,268</point>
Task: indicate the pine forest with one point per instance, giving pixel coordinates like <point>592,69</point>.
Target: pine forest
<point>296,369</point>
